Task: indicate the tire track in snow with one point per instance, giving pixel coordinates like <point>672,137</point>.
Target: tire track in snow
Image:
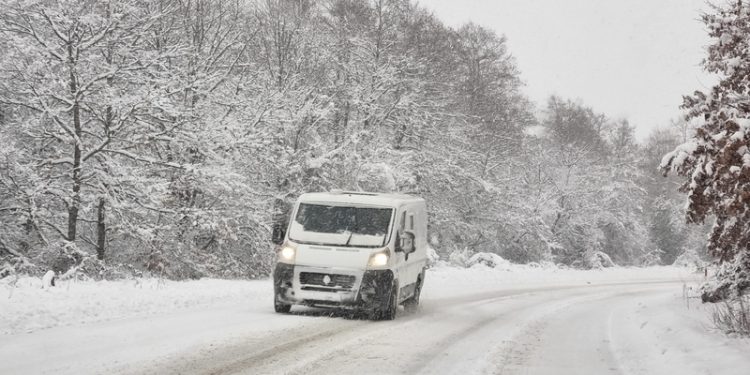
<point>541,347</point>
<point>522,318</point>
<point>255,352</point>
<point>411,344</point>
<point>244,357</point>
<point>441,337</point>
<point>241,357</point>
<point>413,322</point>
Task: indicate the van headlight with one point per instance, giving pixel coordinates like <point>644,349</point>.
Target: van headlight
<point>287,253</point>
<point>379,259</point>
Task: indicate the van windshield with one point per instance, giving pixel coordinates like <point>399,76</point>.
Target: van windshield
<point>341,226</point>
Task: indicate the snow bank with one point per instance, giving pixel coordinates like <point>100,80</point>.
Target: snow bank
<point>490,260</point>
<point>444,280</point>
<point>29,307</point>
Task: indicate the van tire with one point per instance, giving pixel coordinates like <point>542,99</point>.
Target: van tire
<point>280,307</point>
<point>411,304</point>
<point>388,312</point>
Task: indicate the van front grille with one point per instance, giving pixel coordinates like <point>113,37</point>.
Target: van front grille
<point>335,281</point>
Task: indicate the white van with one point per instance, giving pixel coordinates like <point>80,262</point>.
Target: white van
<point>361,250</point>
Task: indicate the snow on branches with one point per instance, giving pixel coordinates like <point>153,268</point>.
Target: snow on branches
<point>716,162</point>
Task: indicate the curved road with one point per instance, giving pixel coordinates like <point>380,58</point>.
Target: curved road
<point>565,330</point>
<point>627,328</point>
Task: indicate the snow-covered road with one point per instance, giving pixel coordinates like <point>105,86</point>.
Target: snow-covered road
<point>587,325</point>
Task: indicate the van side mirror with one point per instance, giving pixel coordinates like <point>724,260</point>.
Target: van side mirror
<point>278,234</point>
<point>406,242</point>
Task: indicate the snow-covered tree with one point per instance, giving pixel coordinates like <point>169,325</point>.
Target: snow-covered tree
<point>169,136</point>
<point>573,124</point>
<point>82,85</point>
<point>716,161</point>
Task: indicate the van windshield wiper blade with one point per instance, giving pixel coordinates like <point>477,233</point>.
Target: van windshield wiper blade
<point>351,233</point>
<point>349,239</point>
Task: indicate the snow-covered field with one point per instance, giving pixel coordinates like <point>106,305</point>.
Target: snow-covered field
<point>513,319</point>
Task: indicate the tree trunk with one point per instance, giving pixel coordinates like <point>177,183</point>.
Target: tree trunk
<point>76,198</point>
<point>101,228</point>
<point>76,201</point>
<point>101,231</point>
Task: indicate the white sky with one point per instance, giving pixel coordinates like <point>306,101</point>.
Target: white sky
<point>625,58</point>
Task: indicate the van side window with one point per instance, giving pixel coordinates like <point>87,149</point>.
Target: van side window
<point>403,221</point>
<point>411,222</point>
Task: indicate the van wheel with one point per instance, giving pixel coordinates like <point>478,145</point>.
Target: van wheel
<point>411,304</point>
<point>388,311</point>
<point>280,307</point>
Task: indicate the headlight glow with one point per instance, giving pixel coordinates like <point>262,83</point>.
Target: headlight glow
<point>379,259</point>
<point>287,253</point>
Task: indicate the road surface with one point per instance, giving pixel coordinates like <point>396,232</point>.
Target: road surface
<point>616,328</point>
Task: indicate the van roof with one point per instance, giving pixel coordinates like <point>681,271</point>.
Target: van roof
<point>360,197</point>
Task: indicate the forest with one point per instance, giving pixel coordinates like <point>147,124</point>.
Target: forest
<point>164,137</point>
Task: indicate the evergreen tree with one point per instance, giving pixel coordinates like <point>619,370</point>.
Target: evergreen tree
<point>716,161</point>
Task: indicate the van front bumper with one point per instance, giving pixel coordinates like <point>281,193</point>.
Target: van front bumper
<point>332,287</point>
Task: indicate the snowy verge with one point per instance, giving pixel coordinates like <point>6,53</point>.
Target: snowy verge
<point>27,307</point>
<point>444,280</point>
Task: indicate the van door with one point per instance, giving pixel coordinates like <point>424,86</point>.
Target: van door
<point>409,265</point>
<point>414,264</point>
<point>401,269</point>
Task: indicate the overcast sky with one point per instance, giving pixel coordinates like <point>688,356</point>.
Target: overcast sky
<point>625,58</point>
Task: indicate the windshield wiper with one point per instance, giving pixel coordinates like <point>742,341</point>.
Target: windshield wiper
<point>351,233</point>
<point>349,239</point>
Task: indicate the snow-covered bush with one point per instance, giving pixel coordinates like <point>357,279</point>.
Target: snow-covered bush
<point>730,280</point>
<point>489,260</point>
<point>459,258</point>
<point>6,270</point>
<point>651,258</point>
<point>61,257</point>
<point>689,258</point>
<point>598,259</point>
<point>432,256</point>
<point>733,316</point>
